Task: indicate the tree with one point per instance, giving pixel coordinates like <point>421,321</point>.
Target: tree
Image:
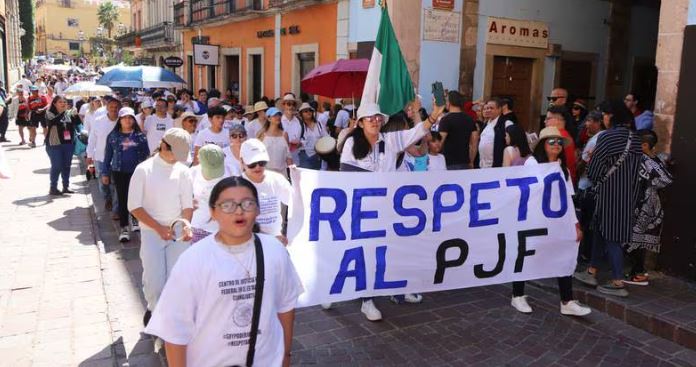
<point>107,14</point>
<point>26,18</point>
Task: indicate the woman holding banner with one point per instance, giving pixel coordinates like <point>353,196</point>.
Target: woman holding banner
<point>550,149</point>
<point>367,149</point>
<point>227,288</point>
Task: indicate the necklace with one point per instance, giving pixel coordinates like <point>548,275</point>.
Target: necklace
<point>229,249</point>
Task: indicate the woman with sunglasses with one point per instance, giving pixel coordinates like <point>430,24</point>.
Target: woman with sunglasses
<point>549,149</point>
<point>233,158</point>
<point>207,314</point>
<point>367,149</point>
<point>311,132</point>
<point>276,141</point>
<point>274,189</point>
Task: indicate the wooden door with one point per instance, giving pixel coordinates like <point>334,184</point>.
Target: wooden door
<point>512,77</point>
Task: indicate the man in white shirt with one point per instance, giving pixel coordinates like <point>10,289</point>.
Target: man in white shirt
<point>343,116</point>
<point>291,125</point>
<point>100,130</point>
<point>60,86</point>
<point>215,134</point>
<point>160,195</point>
<point>493,135</point>
<point>157,124</point>
<point>94,110</point>
<point>187,103</point>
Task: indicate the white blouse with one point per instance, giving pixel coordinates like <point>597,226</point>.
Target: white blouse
<point>394,143</point>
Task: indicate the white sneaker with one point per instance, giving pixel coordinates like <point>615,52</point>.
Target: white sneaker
<point>520,304</point>
<point>326,306</point>
<point>135,227</point>
<point>124,236</point>
<point>413,298</point>
<point>574,308</point>
<point>370,311</point>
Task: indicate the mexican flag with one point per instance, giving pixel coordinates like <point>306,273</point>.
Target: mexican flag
<point>388,82</point>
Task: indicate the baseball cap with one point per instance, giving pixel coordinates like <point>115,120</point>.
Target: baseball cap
<point>180,141</point>
<point>33,88</point>
<point>212,160</point>
<point>273,111</point>
<point>146,103</point>
<point>253,150</point>
<point>126,111</point>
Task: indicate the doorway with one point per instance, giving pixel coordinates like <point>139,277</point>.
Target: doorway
<point>256,78</point>
<point>576,78</point>
<point>211,77</point>
<point>306,61</point>
<point>512,77</point>
<point>232,71</point>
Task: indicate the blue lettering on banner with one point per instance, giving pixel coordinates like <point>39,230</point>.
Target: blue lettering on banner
<point>356,255</point>
<point>523,183</point>
<point>546,201</point>
<point>380,283</point>
<point>438,208</point>
<point>316,216</point>
<point>357,214</point>
<point>399,228</point>
<point>476,207</point>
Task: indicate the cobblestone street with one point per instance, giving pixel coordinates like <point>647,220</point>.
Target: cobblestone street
<point>70,296</point>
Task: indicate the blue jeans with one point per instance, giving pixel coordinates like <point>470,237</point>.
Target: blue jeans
<point>313,162</point>
<point>107,191</point>
<point>613,250</point>
<point>61,159</point>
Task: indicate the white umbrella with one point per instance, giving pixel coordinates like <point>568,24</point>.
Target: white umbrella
<point>87,89</point>
<point>57,67</point>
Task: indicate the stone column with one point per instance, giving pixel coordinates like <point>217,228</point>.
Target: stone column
<point>406,20</point>
<point>467,56</point>
<point>670,39</point>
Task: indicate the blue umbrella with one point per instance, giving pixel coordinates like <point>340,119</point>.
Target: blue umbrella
<point>141,77</point>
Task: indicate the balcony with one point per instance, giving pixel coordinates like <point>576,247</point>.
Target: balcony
<point>126,39</point>
<point>180,14</point>
<point>203,11</point>
<point>161,35</point>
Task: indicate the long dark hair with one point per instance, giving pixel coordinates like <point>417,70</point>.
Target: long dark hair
<point>117,127</point>
<point>53,110</point>
<point>361,147</point>
<point>518,139</point>
<point>541,156</point>
<point>229,182</point>
<point>620,114</point>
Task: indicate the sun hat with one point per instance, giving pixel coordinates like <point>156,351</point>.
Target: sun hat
<point>126,111</point>
<point>306,106</point>
<point>260,106</point>
<point>370,109</point>
<point>248,110</point>
<point>253,150</point>
<point>237,129</point>
<point>273,111</point>
<point>212,160</point>
<point>188,114</point>
<point>180,141</point>
<point>552,132</point>
<point>288,97</point>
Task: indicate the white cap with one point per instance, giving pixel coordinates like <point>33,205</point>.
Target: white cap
<point>254,150</point>
<point>146,103</point>
<point>126,111</point>
<point>370,109</point>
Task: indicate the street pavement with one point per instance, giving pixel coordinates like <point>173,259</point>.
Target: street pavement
<point>70,296</point>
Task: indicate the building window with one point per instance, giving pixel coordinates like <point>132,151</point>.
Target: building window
<point>64,3</point>
<point>72,22</point>
<point>211,77</point>
<point>74,46</point>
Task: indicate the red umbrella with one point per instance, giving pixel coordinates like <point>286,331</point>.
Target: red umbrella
<point>340,79</point>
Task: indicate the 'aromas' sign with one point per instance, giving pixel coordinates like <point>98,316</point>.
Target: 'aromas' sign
<point>513,32</point>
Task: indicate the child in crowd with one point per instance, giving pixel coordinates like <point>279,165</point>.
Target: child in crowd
<point>436,161</point>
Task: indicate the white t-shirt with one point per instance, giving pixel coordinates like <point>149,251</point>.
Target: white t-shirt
<point>311,136</point>
<point>395,142</point>
<point>100,130</point>
<point>436,162</point>
<point>343,116</point>
<point>253,128</point>
<point>232,164</point>
<point>91,116</point>
<point>201,193</point>
<point>203,123</point>
<point>83,109</point>
<point>292,128</point>
<point>208,301</point>
<point>155,127</point>
<point>162,189</point>
<point>323,119</point>
<point>487,142</point>
<point>207,136</point>
<point>274,189</point>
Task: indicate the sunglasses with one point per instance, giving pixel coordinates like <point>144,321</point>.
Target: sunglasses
<point>375,118</point>
<point>238,136</point>
<point>577,107</point>
<point>253,165</point>
<point>553,99</point>
<point>230,206</point>
<point>555,141</point>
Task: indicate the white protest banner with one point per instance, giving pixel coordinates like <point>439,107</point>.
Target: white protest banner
<point>357,234</point>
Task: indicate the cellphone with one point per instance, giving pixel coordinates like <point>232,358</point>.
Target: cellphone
<point>439,93</point>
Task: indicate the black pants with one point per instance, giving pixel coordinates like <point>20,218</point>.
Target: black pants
<point>4,122</point>
<point>565,288</point>
<point>122,182</point>
<point>637,259</point>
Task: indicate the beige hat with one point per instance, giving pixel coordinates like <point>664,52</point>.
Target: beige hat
<point>552,132</point>
<point>212,159</point>
<point>260,106</point>
<point>248,110</point>
<point>180,120</point>
<point>288,97</point>
<point>180,142</point>
<point>254,150</point>
<point>306,106</point>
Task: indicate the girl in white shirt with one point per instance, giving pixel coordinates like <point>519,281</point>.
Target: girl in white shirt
<point>207,313</point>
<point>276,141</point>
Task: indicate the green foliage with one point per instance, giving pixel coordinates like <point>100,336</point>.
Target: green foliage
<point>26,18</point>
<point>107,14</point>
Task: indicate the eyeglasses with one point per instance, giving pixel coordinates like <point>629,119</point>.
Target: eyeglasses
<point>555,141</point>
<point>230,206</point>
<point>375,118</point>
<point>253,165</point>
<point>238,136</point>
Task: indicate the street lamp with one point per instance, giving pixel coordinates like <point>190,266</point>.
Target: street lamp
<point>81,37</point>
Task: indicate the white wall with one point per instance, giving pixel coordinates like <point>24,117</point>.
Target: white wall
<point>363,23</point>
<point>578,25</point>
